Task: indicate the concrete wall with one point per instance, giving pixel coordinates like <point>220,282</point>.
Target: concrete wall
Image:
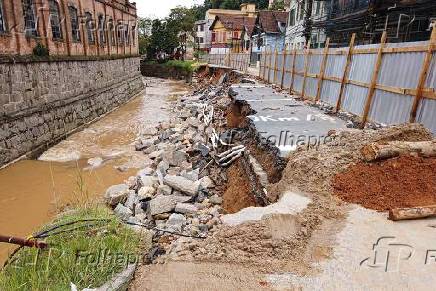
<point>40,102</point>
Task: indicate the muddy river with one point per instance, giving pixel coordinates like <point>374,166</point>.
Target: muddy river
<point>80,168</point>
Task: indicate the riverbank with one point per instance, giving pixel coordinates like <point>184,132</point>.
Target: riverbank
<point>82,166</point>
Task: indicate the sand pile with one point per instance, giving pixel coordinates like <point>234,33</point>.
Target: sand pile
<point>401,182</point>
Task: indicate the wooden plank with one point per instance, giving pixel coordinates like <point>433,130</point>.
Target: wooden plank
<point>262,71</point>
<point>423,76</point>
<point>306,68</point>
<point>322,70</point>
<point>291,87</point>
<point>276,56</point>
<point>372,87</point>
<point>346,72</point>
<point>285,56</point>
<point>269,66</point>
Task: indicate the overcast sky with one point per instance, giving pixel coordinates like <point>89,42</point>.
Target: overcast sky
<point>160,8</point>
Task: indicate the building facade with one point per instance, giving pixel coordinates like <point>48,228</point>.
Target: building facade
<point>203,31</point>
<point>269,31</point>
<point>68,27</point>
<point>300,15</point>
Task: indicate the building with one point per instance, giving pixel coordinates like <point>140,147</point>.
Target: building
<point>404,20</point>
<point>228,33</point>
<point>269,31</point>
<point>304,17</point>
<point>68,27</point>
<point>204,34</point>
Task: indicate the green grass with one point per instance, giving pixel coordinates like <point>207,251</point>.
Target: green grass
<point>75,256</point>
<point>188,66</point>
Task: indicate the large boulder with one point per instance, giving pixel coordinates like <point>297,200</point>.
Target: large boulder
<point>185,208</point>
<point>175,222</point>
<point>116,194</point>
<point>164,204</point>
<point>182,184</point>
<point>123,212</point>
<point>175,158</point>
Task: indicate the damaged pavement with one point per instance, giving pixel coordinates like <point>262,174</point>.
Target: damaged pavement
<point>225,206</point>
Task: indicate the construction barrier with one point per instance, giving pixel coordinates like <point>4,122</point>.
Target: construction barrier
<point>236,61</point>
<point>388,83</point>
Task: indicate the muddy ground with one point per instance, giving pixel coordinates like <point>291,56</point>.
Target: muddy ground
<point>323,246</point>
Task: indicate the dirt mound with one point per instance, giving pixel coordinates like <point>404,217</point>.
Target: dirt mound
<point>313,170</point>
<point>402,182</point>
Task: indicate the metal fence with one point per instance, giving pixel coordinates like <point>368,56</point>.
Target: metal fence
<point>236,61</point>
<point>385,83</point>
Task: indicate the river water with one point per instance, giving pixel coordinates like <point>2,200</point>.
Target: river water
<point>82,167</point>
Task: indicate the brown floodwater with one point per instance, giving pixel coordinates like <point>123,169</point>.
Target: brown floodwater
<point>80,168</point>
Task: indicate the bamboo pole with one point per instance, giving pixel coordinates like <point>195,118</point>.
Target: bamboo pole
<point>371,89</point>
<point>346,72</point>
<point>276,56</point>
<point>423,75</point>
<point>285,55</point>
<point>306,68</point>
<point>291,87</point>
<point>322,70</point>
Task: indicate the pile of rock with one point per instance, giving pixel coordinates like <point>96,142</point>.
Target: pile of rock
<point>178,194</point>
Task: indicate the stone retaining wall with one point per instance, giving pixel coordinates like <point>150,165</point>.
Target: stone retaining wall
<point>41,102</point>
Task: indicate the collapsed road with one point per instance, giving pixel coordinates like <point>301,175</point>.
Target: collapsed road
<point>284,121</point>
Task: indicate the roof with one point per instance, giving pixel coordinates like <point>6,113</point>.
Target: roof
<point>232,22</point>
<point>268,20</point>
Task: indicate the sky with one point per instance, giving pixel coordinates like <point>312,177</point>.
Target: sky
<point>160,8</point>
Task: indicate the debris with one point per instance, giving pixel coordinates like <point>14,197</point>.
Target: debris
<point>182,184</point>
<point>381,151</point>
<point>123,212</point>
<point>164,204</point>
<point>397,214</point>
<point>116,194</point>
<point>185,208</point>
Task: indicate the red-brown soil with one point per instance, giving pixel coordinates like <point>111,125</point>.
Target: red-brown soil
<point>406,181</point>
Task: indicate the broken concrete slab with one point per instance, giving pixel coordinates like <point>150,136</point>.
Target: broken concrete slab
<point>284,121</point>
<point>116,194</point>
<point>289,203</point>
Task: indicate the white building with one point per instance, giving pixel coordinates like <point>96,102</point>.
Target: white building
<point>295,31</point>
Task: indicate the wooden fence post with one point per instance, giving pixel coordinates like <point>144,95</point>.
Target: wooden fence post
<point>285,55</point>
<point>276,56</point>
<point>423,75</point>
<point>269,66</point>
<point>306,68</point>
<point>371,89</point>
<point>346,72</point>
<point>291,87</point>
<point>322,70</point>
<point>262,71</point>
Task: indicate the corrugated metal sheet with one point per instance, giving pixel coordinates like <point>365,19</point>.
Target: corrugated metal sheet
<point>335,66</point>
<point>354,99</point>
<point>330,92</point>
<point>362,67</point>
<point>426,114</point>
<point>389,108</point>
<point>311,87</point>
<point>401,70</point>
<point>298,83</point>
<point>315,62</point>
<point>299,63</point>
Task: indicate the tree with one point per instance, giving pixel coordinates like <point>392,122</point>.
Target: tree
<point>144,34</point>
<point>278,5</point>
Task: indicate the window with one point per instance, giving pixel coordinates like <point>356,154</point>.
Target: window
<point>2,20</point>
<point>75,31</point>
<point>55,21</point>
<point>318,7</point>
<point>101,30</point>
<point>111,31</point>
<point>126,34</point>
<point>30,26</point>
<point>292,18</point>
<point>120,33</point>
<point>134,34</point>
<point>213,37</point>
<point>90,27</point>
<point>202,27</point>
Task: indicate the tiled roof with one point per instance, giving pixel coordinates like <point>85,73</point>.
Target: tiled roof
<point>235,23</point>
<point>268,20</point>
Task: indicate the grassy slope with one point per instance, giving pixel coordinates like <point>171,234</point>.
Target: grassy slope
<point>73,256</point>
